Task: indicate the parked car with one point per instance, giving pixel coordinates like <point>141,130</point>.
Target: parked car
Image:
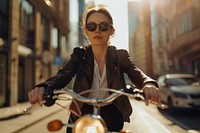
<point>179,90</point>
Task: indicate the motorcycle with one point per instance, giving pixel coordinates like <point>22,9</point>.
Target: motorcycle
<point>90,123</point>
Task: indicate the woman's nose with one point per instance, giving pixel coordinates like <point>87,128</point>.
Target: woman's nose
<point>97,29</point>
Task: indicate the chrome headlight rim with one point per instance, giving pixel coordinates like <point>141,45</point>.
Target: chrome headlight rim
<point>89,122</point>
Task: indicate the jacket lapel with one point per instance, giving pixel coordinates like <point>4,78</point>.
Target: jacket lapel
<point>89,66</point>
<point>111,67</point>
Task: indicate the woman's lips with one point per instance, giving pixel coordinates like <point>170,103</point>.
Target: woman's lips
<point>97,37</point>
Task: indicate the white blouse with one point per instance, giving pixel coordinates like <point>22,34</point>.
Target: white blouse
<point>99,82</point>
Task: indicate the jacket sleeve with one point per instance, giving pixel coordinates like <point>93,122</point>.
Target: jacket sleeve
<point>65,73</point>
<point>137,76</point>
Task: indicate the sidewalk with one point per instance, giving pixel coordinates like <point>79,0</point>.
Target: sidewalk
<point>12,119</point>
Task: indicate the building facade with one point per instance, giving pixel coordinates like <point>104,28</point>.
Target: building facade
<point>140,43</point>
<point>33,35</point>
<point>180,40</point>
<point>175,40</point>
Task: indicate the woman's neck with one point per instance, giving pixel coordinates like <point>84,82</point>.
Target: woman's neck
<point>100,56</point>
<point>99,52</point>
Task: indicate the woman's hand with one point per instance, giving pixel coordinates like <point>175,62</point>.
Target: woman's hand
<point>36,95</point>
<point>151,93</point>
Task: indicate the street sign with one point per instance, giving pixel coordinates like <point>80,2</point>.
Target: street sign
<point>57,61</point>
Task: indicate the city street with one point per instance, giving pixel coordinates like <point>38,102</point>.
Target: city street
<point>93,44</point>
<point>145,119</point>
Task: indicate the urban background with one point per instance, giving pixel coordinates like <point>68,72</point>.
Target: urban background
<point>37,37</point>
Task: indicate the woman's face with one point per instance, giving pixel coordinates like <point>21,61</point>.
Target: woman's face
<point>100,35</point>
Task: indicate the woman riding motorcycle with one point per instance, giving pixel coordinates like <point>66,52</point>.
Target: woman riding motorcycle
<point>100,65</point>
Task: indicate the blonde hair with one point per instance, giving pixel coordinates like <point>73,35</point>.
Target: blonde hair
<point>93,9</point>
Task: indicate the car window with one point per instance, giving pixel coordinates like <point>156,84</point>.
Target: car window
<point>181,81</point>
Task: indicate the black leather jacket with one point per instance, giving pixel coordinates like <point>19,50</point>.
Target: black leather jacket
<point>81,65</point>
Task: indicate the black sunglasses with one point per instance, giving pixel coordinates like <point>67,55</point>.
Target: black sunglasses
<point>103,26</point>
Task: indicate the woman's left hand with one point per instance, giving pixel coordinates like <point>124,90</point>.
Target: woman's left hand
<point>151,93</point>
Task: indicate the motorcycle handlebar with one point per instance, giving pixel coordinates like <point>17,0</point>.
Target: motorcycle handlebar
<point>51,96</point>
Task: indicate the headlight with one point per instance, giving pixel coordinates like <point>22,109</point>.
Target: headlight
<point>180,95</point>
<point>90,124</point>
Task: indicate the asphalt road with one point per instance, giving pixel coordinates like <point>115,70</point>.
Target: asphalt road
<point>182,121</point>
<point>144,119</point>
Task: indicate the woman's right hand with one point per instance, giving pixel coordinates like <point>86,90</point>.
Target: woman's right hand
<point>36,95</point>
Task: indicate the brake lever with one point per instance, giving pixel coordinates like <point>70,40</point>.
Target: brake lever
<point>49,100</point>
<point>141,95</point>
<point>27,110</point>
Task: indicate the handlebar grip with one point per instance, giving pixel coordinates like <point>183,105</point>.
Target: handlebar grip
<point>49,97</point>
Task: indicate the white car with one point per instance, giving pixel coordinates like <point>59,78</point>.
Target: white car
<point>179,90</point>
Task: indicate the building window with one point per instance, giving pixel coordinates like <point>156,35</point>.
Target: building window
<point>26,15</point>
<point>45,33</point>
<point>63,43</point>
<point>4,19</point>
<point>26,24</point>
<point>55,38</point>
<point>55,41</point>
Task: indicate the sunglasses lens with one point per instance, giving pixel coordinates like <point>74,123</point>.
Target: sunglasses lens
<point>91,26</point>
<point>103,26</point>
